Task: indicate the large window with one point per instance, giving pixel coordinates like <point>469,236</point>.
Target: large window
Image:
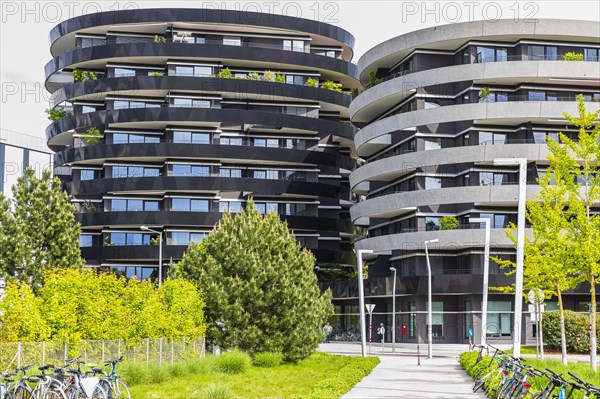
<point>432,144</point>
<point>191,103</point>
<point>232,40</point>
<point>141,272</point>
<point>499,319</point>
<point>93,41</point>
<point>120,239</point>
<point>294,45</point>
<point>121,205</point>
<point>294,79</point>
<point>191,137</point>
<point>186,237</point>
<point>274,143</point>
<point>492,179</point>
<point>489,138</point>
<point>127,138</point>
<point>432,223</point>
<point>496,221</point>
<point>134,171</point>
<point>266,174</point>
<point>86,240</point>
<point>433,183</point>
<point>230,172</point>
<point>123,72</point>
<point>200,71</point>
<point>191,170</point>
<point>437,318</point>
<point>542,53</point>
<point>536,96</point>
<point>87,174</point>
<point>231,141</point>
<point>490,54</point>
<point>130,104</point>
<point>412,320</point>
<point>591,54</point>
<point>230,206</point>
<point>266,207</point>
<point>191,205</point>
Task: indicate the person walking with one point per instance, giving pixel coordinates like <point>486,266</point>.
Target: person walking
<point>327,329</point>
<point>381,334</point>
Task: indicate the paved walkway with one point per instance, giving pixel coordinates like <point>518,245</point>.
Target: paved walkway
<point>399,376</point>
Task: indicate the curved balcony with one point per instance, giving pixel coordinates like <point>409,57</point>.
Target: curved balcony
<point>393,167</point>
<point>455,35</point>
<point>160,86</point>
<point>99,56</point>
<point>377,99</point>
<point>62,35</point>
<point>390,205</point>
<point>194,184</point>
<point>375,136</point>
<point>151,152</point>
<point>195,219</point>
<point>59,133</point>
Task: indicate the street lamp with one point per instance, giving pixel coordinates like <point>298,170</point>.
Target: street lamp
<point>429,305</point>
<point>522,163</point>
<point>486,270</point>
<point>146,228</point>
<point>361,300</point>
<point>394,311</point>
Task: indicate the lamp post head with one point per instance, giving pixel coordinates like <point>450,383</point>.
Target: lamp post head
<point>431,241</point>
<point>144,228</point>
<point>479,220</point>
<point>509,161</point>
<point>393,269</point>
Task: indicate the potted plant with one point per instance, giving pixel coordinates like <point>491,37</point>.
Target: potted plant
<point>311,82</point>
<point>225,74</point>
<point>484,94</point>
<point>92,136</point>
<point>269,76</point>
<point>573,56</point>
<point>331,85</point>
<point>55,114</point>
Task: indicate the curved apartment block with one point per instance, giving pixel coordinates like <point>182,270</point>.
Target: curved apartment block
<point>174,116</point>
<point>440,105</point>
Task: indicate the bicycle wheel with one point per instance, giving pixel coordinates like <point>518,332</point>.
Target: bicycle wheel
<point>478,384</point>
<point>54,394</point>
<point>22,393</point>
<point>120,390</point>
<point>99,393</point>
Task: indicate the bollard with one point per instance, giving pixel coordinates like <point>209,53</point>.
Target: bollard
<point>418,355</point>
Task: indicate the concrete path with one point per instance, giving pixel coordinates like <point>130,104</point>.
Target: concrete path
<point>399,376</point>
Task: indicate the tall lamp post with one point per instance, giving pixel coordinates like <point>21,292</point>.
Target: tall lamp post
<point>522,164</point>
<point>160,242</point>
<point>394,311</point>
<point>361,299</point>
<point>429,303</point>
<point>486,270</point>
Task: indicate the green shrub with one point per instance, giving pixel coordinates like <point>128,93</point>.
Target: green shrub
<point>576,327</point>
<point>340,382</point>
<point>449,223</point>
<point>82,76</point>
<point>157,73</point>
<point>373,80</point>
<point>217,392</point>
<point>253,76</point>
<point>330,85</point>
<point>55,114</point>
<point>267,359</point>
<point>280,78</point>
<point>310,82</point>
<point>225,74</point>
<point>354,93</point>
<point>160,39</point>
<point>93,135</point>
<point>234,362</point>
<point>573,56</point>
<point>269,76</point>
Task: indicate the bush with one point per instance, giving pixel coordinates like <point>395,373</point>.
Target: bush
<point>310,82</point>
<point>82,76</point>
<point>217,392</point>
<point>225,74</point>
<point>330,85</point>
<point>234,362</point>
<point>269,76</point>
<point>343,380</point>
<point>573,56</point>
<point>55,114</point>
<point>253,76</point>
<point>449,223</point>
<point>280,78</point>
<point>577,328</point>
<point>267,359</point>
<point>93,135</point>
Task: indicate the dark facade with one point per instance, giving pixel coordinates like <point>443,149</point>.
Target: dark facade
<point>440,105</point>
<point>198,111</point>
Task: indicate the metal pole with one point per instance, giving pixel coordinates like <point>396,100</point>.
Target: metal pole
<point>361,301</point>
<point>522,163</point>
<point>160,265</point>
<point>370,329</point>
<point>429,304</point>
<point>394,311</point>
<point>486,276</point>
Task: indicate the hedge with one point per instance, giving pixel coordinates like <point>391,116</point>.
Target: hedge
<point>577,327</point>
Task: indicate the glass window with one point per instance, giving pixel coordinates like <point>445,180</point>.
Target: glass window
<point>432,223</point>
<point>551,96</point>
<point>118,205</point>
<point>182,102</point>
<point>120,104</point>
<point>432,144</point>
<point>431,104</point>
<point>294,79</point>
<point>151,205</point>
<point>184,70</point>
<point>542,53</point>
<point>203,71</point>
<point>412,319</point>
<point>233,207</point>
<point>86,240</point>
<point>499,319</point>
<point>231,140</point>
<point>437,318</point>
<point>537,96</point>
<point>119,171</point>
<point>591,54</point>
<point>86,174</point>
<point>183,37</point>
<point>87,109</point>
<point>259,174</point>
<point>180,238</point>
<point>118,238</point>
<point>122,72</point>
<point>490,54</point>
<point>293,45</point>
<point>433,183</point>
<point>201,103</point>
<point>181,204</point>
<point>182,137</point>
<point>199,205</point>
<point>232,41</point>
<point>135,205</point>
<point>90,42</point>
<point>230,172</point>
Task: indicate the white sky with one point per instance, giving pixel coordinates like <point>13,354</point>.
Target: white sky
<point>24,28</point>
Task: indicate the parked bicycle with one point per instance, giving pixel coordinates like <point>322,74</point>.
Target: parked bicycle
<point>111,382</point>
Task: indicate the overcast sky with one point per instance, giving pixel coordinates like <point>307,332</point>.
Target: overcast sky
<point>24,28</point>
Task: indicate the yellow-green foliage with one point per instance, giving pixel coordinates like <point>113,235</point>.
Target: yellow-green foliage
<point>74,305</point>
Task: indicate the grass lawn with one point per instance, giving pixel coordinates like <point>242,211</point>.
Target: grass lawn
<point>283,381</point>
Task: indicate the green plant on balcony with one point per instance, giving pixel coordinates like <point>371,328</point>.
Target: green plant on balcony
<point>225,74</point>
<point>354,93</point>
<point>484,94</point>
<point>55,114</point>
<point>280,78</point>
<point>107,242</point>
<point>160,39</point>
<point>253,76</point>
<point>82,76</point>
<point>269,76</point>
<point>155,241</point>
<point>92,136</point>
<point>573,56</point>
<point>311,82</point>
<point>449,223</point>
<point>331,85</point>
<point>373,79</point>
<point>157,73</point>
<point>88,206</point>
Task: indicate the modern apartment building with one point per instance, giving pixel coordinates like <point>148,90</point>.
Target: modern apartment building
<point>440,105</point>
<point>177,115</point>
<point>19,151</point>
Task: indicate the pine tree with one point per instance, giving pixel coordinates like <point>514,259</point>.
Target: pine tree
<point>38,230</point>
<point>260,289</point>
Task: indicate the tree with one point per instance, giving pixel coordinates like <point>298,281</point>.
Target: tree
<point>20,316</point>
<point>260,289</point>
<point>449,223</point>
<point>38,230</point>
